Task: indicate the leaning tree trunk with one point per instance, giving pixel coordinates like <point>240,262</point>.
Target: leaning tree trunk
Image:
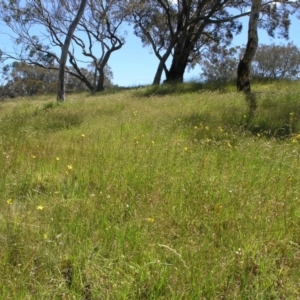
<point>243,70</point>
<point>64,53</point>
<point>161,67</point>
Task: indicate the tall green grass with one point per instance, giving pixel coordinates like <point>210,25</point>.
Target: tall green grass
<point>184,194</point>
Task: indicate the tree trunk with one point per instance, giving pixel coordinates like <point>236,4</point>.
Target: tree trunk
<point>101,67</point>
<point>183,48</point>
<point>161,66</point>
<point>178,66</point>
<point>100,85</point>
<point>64,53</point>
<point>176,72</point>
<point>157,77</point>
<point>243,70</point>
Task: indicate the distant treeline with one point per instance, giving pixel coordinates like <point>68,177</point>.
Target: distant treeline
<point>270,62</point>
<point>21,79</point>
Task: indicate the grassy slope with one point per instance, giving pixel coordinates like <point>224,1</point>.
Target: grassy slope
<point>170,193</point>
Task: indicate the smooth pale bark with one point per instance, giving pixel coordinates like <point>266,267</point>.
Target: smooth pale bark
<point>64,53</point>
<point>243,70</point>
<point>162,59</point>
<point>101,67</point>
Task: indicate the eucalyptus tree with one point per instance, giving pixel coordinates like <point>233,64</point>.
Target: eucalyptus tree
<point>102,25</point>
<point>38,29</point>
<point>277,17</point>
<point>220,66</point>
<point>270,62</point>
<point>155,26</point>
<point>243,69</point>
<point>21,79</point>
<point>65,50</point>
<point>272,16</point>
<point>182,30</point>
<point>277,61</point>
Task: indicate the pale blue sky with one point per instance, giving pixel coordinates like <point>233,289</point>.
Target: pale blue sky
<point>134,65</point>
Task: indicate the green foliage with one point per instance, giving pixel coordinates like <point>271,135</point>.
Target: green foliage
<point>35,50</point>
<point>173,197</point>
<point>277,61</point>
<point>29,80</point>
<point>271,62</point>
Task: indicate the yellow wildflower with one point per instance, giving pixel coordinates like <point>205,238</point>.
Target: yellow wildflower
<point>57,158</point>
<point>10,201</point>
<point>150,220</point>
<point>70,167</point>
<point>33,156</point>
<point>40,207</point>
<point>83,135</point>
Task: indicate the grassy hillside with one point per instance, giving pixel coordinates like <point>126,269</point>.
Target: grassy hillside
<point>151,193</point>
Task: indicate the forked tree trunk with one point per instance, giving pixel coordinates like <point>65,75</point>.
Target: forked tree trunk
<point>244,66</point>
<point>161,67</point>
<point>178,65</point>
<point>64,53</point>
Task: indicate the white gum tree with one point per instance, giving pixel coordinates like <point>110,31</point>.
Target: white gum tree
<point>244,66</point>
<point>65,51</point>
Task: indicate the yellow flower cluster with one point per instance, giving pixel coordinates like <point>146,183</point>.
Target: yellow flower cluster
<point>10,202</point>
<point>150,220</point>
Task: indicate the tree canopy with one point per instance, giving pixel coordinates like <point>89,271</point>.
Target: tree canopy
<point>270,62</point>
<point>39,29</point>
<point>181,33</point>
<point>183,30</point>
<point>22,79</point>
